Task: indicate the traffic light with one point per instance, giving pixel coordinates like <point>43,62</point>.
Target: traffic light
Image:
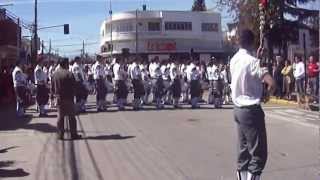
<point>66,28</point>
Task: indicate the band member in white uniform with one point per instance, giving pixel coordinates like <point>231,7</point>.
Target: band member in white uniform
<point>212,76</point>
<point>121,90</point>
<point>147,85</point>
<point>19,84</point>
<point>165,70</point>
<point>195,87</point>
<point>138,88</point>
<point>101,90</point>
<point>247,89</point>
<point>50,73</point>
<point>81,89</point>
<point>175,88</point>
<point>152,69</point>
<point>184,83</point>
<point>159,89</point>
<point>42,96</point>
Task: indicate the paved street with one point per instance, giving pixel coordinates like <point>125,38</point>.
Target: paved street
<point>157,145</point>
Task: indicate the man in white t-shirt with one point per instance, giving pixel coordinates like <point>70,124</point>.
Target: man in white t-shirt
<point>246,86</point>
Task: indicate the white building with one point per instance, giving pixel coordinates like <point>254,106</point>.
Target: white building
<point>162,33</point>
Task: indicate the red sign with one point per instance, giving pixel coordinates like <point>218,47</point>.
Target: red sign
<point>161,46</point>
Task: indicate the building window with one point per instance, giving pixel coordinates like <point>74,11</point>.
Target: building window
<point>178,26</point>
<point>210,27</point>
<point>154,26</point>
<point>125,27</point>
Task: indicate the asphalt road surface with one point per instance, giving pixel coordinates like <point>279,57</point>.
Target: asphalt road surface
<point>169,144</point>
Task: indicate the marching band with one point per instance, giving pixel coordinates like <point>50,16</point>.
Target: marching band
<point>168,82</point>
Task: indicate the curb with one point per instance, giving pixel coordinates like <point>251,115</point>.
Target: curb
<point>281,101</point>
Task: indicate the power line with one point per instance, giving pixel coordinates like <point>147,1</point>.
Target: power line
<point>71,45</point>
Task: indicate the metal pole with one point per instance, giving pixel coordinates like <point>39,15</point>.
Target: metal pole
<point>136,33</point>
<point>83,49</point>
<point>49,50</point>
<point>35,32</point>
<point>111,43</point>
<point>305,62</point>
<point>42,47</point>
<point>18,40</point>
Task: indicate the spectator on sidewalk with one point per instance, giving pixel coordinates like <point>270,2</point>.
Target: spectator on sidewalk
<point>313,76</point>
<point>278,77</point>
<point>19,82</point>
<point>287,79</point>
<point>299,75</point>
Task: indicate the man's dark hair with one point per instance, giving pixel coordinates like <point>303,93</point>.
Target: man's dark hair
<point>64,63</point>
<point>77,58</point>
<point>246,38</point>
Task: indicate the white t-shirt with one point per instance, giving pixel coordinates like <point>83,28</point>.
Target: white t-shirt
<point>247,75</point>
<point>116,71</point>
<point>299,71</point>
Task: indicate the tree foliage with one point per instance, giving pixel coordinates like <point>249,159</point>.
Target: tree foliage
<point>283,18</point>
<point>199,5</point>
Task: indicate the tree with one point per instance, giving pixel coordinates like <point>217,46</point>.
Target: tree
<point>279,28</point>
<point>199,5</point>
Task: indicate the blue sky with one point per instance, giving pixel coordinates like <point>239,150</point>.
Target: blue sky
<point>85,18</point>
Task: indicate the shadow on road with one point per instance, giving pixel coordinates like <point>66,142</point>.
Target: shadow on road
<point>6,149</point>
<point>13,173</point>
<point>41,127</point>
<point>6,164</point>
<point>109,137</point>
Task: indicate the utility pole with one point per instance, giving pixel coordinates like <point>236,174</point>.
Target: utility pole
<point>305,62</point>
<point>18,40</point>
<point>42,47</point>
<point>137,33</point>
<point>35,34</point>
<point>49,50</point>
<point>82,49</point>
<point>111,44</point>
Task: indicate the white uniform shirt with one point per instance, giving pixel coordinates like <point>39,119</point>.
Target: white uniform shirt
<point>211,73</point>
<point>77,72</point>
<point>174,72</point>
<point>18,77</point>
<point>116,71</point>
<point>57,68</point>
<point>299,71</point>
<point>99,72</point>
<point>158,73</point>
<point>247,75</point>
<point>165,72</point>
<point>152,69</point>
<point>51,71</point>
<point>40,76</point>
<point>135,72</point>
<point>130,67</point>
<point>224,76</point>
<point>107,70</point>
<point>189,71</point>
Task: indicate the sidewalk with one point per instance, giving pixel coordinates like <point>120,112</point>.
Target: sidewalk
<point>292,103</point>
